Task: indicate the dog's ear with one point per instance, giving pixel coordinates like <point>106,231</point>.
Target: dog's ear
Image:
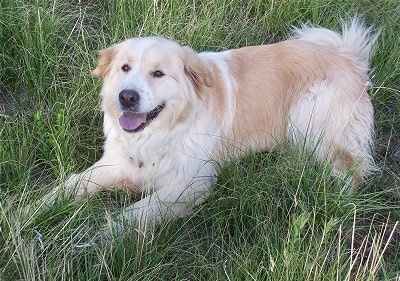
<point>196,70</point>
<point>104,63</point>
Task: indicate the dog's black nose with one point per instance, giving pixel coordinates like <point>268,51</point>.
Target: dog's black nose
<point>129,98</point>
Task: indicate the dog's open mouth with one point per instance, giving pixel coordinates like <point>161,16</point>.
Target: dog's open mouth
<point>135,122</point>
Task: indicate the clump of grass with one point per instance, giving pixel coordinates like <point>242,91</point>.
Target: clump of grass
<point>272,216</point>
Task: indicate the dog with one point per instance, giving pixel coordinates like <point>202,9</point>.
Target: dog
<point>170,113</point>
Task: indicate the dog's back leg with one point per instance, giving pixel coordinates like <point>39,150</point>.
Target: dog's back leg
<point>336,123</point>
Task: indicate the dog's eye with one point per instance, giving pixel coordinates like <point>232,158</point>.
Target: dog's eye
<point>157,73</point>
<point>125,68</point>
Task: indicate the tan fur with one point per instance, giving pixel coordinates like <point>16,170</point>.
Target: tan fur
<point>269,87</point>
<point>310,92</point>
<point>198,73</point>
<point>103,66</point>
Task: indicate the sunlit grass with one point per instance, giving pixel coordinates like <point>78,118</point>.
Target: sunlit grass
<point>272,216</point>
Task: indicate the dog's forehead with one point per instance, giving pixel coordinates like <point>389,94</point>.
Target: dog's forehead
<point>149,49</point>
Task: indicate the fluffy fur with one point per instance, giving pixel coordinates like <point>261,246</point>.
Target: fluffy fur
<point>310,89</point>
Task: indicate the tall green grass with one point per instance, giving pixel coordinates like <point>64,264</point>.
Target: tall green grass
<point>272,216</point>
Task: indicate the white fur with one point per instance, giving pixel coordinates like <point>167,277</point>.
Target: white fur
<point>356,41</point>
<point>309,89</point>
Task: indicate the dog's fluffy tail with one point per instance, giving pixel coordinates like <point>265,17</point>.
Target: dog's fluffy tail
<point>356,39</point>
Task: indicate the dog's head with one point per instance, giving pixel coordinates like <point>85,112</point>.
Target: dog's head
<point>150,79</point>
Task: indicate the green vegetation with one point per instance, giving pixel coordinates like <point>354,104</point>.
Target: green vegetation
<point>273,216</point>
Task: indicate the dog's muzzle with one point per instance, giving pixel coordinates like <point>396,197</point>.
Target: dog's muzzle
<point>130,120</point>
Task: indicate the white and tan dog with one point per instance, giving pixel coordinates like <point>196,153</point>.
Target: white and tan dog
<point>169,112</point>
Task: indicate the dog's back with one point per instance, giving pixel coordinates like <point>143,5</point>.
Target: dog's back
<point>310,90</point>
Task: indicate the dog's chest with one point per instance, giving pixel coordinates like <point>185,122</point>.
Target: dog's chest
<point>149,162</point>
<point>165,162</point>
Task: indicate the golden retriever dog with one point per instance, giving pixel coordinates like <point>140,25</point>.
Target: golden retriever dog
<point>170,113</point>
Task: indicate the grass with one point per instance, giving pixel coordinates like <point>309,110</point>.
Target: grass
<point>272,216</point>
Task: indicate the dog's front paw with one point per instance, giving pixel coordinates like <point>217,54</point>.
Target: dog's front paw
<point>112,229</point>
<point>75,186</point>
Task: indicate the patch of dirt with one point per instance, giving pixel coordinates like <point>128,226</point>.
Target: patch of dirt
<point>388,153</point>
<point>11,101</point>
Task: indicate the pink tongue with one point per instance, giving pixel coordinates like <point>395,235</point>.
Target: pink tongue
<point>130,121</point>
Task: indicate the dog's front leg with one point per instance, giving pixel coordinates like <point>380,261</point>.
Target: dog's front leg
<point>101,175</point>
<point>173,200</point>
<point>165,203</point>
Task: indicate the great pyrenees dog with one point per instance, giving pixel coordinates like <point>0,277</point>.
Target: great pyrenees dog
<point>170,113</point>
